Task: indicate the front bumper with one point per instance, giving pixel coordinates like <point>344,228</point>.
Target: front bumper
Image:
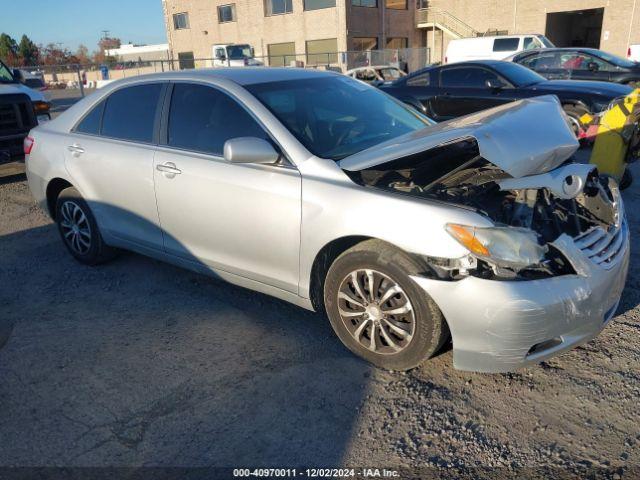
<point>499,326</point>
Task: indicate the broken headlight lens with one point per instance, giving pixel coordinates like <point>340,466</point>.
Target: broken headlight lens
<point>509,247</point>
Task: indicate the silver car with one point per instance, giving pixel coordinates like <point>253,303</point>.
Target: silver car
<point>325,192</point>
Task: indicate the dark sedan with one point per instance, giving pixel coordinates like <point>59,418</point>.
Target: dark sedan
<point>458,89</point>
<point>579,64</point>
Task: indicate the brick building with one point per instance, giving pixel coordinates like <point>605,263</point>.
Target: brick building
<point>283,28</point>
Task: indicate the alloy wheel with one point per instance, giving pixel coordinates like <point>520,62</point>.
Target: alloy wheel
<point>75,226</point>
<point>376,311</point>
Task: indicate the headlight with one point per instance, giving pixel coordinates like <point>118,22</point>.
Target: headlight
<point>505,246</point>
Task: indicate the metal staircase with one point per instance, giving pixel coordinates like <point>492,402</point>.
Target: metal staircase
<point>435,18</point>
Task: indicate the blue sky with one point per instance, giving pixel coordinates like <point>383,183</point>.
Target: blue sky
<point>73,22</point>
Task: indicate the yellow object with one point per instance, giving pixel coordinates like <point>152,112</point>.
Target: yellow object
<point>586,119</point>
<point>614,135</point>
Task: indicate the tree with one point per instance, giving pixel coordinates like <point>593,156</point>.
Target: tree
<point>28,52</point>
<point>82,54</point>
<point>8,49</point>
<point>106,43</point>
<point>53,55</point>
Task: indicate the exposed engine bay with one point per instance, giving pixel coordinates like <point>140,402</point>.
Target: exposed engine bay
<point>572,199</point>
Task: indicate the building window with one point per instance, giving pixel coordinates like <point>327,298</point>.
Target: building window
<point>227,13</point>
<point>277,7</point>
<point>396,4</point>
<point>281,54</point>
<point>397,43</point>
<point>180,21</point>
<point>422,4</point>
<point>365,3</point>
<point>318,4</point>
<point>322,52</point>
<point>185,60</point>
<point>365,43</point>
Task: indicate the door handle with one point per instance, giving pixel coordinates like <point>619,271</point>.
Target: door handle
<point>75,149</point>
<point>169,169</point>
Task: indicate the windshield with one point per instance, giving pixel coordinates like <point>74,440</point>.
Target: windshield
<point>546,42</point>
<point>239,52</point>
<point>617,61</point>
<point>389,74</point>
<point>337,116</point>
<point>5,74</point>
<point>517,74</point>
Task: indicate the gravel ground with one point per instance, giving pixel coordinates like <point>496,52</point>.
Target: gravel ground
<point>137,363</point>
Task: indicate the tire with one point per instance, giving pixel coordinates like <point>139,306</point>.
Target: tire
<point>575,112</point>
<point>626,180</point>
<point>79,230</point>
<point>418,333</point>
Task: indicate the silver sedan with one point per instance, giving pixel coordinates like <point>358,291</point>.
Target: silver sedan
<point>325,192</point>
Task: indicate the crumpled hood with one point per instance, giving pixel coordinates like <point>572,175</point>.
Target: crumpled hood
<point>13,88</point>
<point>522,138</point>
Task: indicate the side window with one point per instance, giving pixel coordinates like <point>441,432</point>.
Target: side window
<point>506,44</point>
<point>130,113</point>
<point>202,119</point>
<point>542,61</point>
<point>91,122</point>
<point>466,77</point>
<point>423,80</point>
<point>531,43</point>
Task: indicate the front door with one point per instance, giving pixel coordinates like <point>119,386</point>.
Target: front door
<point>464,90</point>
<point>240,218</point>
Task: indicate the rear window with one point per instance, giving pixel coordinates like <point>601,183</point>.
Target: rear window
<point>422,80</point>
<point>130,113</point>
<point>506,44</point>
<point>466,77</point>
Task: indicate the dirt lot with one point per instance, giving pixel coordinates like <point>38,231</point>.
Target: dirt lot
<point>137,363</point>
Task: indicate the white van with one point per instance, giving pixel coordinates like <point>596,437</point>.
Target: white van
<point>493,48</point>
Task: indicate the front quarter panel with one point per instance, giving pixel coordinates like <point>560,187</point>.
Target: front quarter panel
<point>334,207</point>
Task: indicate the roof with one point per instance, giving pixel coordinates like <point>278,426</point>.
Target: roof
<point>559,49</point>
<point>245,75</point>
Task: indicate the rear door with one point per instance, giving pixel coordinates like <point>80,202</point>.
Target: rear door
<point>239,218</point>
<point>463,90</point>
<point>109,155</point>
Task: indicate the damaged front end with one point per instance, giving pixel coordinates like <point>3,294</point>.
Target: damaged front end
<point>540,203</point>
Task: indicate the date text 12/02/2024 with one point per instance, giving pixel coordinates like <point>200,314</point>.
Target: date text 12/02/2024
<point>315,473</point>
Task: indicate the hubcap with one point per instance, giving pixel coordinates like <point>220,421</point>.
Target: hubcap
<point>76,230</point>
<point>376,311</point>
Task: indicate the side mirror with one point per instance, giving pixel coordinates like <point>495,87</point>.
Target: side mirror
<point>250,150</point>
<point>593,66</point>
<point>494,84</point>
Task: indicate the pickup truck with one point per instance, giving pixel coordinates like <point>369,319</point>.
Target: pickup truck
<point>21,108</point>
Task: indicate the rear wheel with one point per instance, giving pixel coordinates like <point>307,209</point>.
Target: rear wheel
<point>378,312</point>
<point>79,230</point>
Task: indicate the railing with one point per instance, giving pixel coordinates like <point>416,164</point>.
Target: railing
<point>445,19</point>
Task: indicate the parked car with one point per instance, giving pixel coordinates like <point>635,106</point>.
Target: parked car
<point>376,75</point>
<point>234,55</point>
<point>580,64</point>
<point>323,191</point>
<point>33,80</point>
<point>20,110</point>
<point>492,48</point>
<point>452,91</point>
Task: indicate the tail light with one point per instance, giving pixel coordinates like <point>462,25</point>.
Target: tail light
<point>629,52</point>
<point>446,59</point>
<point>246,62</point>
<point>27,144</point>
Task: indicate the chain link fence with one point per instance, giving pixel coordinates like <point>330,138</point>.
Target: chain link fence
<point>83,78</point>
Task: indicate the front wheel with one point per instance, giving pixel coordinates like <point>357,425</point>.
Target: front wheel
<point>378,312</point>
<point>79,230</point>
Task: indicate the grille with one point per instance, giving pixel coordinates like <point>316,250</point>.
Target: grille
<point>601,246</point>
<point>9,119</point>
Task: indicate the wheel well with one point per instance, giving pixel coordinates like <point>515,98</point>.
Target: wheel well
<point>574,104</point>
<point>322,263</point>
<point>54,188</point>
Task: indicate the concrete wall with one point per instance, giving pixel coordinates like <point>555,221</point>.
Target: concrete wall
<point>251,26</point>
<point>523,16</point>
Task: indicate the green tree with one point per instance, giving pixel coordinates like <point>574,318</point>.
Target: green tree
<point>8,49</point>
<point>28,52</point>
